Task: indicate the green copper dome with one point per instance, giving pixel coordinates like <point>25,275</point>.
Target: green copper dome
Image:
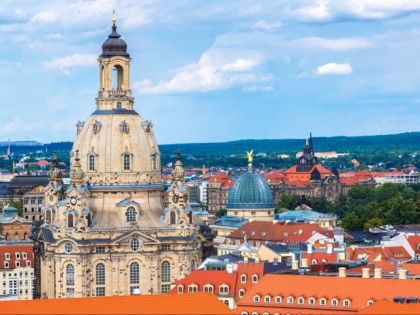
<point>250,191</point>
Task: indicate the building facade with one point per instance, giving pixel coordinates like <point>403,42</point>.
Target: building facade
<point>33,203</point>
<point>107,233</point>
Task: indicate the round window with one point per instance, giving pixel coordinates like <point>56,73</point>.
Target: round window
<point>134,244</point>
<point>68,248</point>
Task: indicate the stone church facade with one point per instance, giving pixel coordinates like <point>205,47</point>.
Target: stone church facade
<point>107,233</point>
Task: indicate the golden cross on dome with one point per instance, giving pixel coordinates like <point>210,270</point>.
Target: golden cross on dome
<point>114,19</point>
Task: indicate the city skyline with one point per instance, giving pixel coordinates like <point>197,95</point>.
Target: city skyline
<point>216,72</point>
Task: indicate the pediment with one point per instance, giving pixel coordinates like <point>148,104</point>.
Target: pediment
<point>127,202</point>
<point>143,238</point>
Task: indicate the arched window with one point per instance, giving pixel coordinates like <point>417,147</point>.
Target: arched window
<point>69,274</point>
<point>48,216</point>
<point>70,219</point>
<point>241,292</point>
<point>134,277</point>
<point>25,236</point>
<point>131,214</point>
<point>172,217</point>
<point>127,162</point>
<point>119,106</point>
<point>256,298</point>
<point>254,278</point>
<point>180,289</point>
<point>243,279</point>
<point>117,77</point>
<point>346,303</point>
<point>166,271</point>
<point>89,219</point>
<point>91,162</point>
<point>193,266</point>
<point>208,288</point>
<point>290,300</point>
<point>322,302</point>
<point>16,238</point>
<point>100,274</point>
<point>226,302</point>
<point>134,273</point>
<point>370,302</point>
<point>192,288</point>
<point>154,167</point>
<point>7,237</point>
<point>314,262</point>
<point>278,299</point>
<point>267,299</point>
<point>311,301</point>
<point>301,300</point>
<point>224,289</point>
<point>334,302</point>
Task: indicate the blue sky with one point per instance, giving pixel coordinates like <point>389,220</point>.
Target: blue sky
<point>211,71</point>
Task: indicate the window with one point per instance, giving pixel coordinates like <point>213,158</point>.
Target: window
<point>254,278</point>
<point>243,279</point>
<point>17,264</point>
<point>119,106</point>
<point>100,274</point>
<point>278,299</point>
<point>70,292</point>
<point>346,303</point>
<point>301,300</point>
<point>68,248</point>
<point>25,236</point>
<point>172,217</point>
<point>7,237</point>
<point>135,289</point>
<point>7,256</point>
<point>267,299</point>
<point>6,264</point>
<point>241,292</point>
<point>131,214</point>
<point>166,272</point>
<point>370,302</point>
<point>192,289</point>
<point>48,216</point>
<point>166,247</point>
<point>100,291</point>
<point>322,302</point>
<point>25,256</point>
<point>311,301</point>
<point>70,219</point>
<point>28,263</point>
<point>16,238</point>
<point>224,289</point>
<point>226,302</point>
<point>134,244</point>
<point>13,286</point>
<point>334,302</point>
<point>69,274</point>
<point>17,255</point>
<point>314,262</point>
<point>91,162</point>
<point>180,289</point>
<point>290,300</point>
<point>127,162</point>
<point>193,266</point>
<point>100,249</point>
<point>165,288</point>
<point>134,273</point>
<point>208,289</point>
<point>256,298</point>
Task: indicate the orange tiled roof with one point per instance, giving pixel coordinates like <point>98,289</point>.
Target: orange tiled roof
<point>358,290</point>
<point>203,277</point>
<point>320,257</point>
<point>385,307</point>
<point>414,241</point>
<point>199,303</point>
<point>248,270</point>
<point>12,251</point>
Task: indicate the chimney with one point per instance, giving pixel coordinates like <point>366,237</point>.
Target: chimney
<point>329,249</point>
<point>245,260</point>
<point>309,249</point>
<point>342,272</point>
<point>229,269</point>
<point>365,273</point>
<point>295,265</point>
<point>353,247</point>
<point>304,263</point>
<point>275,221</point>
<point>257,260</point>
<point>378,273</point>
<point>403,274</point>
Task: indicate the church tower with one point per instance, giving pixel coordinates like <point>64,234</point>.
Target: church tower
<point>107,233</point>
<point>307,160</point>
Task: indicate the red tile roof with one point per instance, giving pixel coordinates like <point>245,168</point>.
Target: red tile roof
<point>248,270</point>
<point>385,307</point>
<point>201,278</point>
<point>357,290</point>
<point>12,251</point>
<point>199,303</point>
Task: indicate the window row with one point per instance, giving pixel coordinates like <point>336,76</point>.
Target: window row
<point>254,278</point>
<point>300,300</point>
<point>16,236</point>
<point>126,161</point>
<point>208,288</point>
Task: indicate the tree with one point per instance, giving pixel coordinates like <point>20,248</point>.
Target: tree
<point>220,213</point>
<point>372,223</point>
<point>386,192</point>
<point>18,205</point>
<point>351,223</point>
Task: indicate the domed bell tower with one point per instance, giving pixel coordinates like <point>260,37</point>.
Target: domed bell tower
<point>114,66</point>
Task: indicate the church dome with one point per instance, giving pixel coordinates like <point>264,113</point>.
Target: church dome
<point>250,191</point>
<point>114,45</point>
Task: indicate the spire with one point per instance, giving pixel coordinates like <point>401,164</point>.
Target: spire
<point>178,173</point>
<point>76,174</point>
<point>55,173</point>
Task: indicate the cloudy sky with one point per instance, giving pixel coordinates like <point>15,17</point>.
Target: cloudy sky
<point>210,71</point>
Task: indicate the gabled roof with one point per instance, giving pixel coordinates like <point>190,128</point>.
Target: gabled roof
<point>12,250</point>
<point>199,303</point>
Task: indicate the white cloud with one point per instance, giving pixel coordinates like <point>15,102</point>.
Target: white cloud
<point>208,74</point>
<point>334,44</point>
<point>334,69</point>
<point>64,63</point>
<point>266,26</point>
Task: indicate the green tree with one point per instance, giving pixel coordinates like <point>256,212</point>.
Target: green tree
<point>386,192</point>
<point>18,205</point>
<point>350,222</point>
<point>371,223</point>
<point>220,213</point>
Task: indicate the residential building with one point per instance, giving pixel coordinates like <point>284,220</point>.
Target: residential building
<point>13,228</point>
<point>33,203</point>
<point>218,189</point>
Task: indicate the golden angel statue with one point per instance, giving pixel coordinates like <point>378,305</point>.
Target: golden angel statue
<point>249,154</point>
